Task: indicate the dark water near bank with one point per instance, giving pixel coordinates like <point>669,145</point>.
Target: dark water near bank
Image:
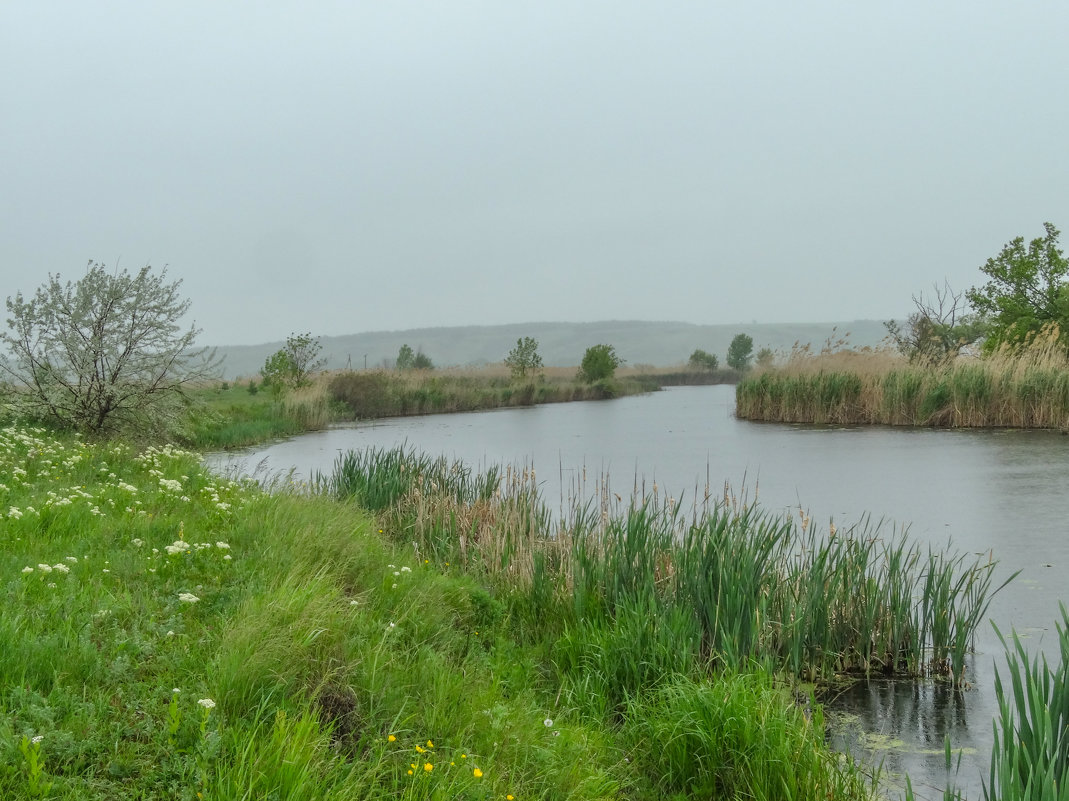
<point>1005,492</point>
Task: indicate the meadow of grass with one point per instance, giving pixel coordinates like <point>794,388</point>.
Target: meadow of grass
<point>166,633</point>
<point>227,415</point>
<point>1023,388</point>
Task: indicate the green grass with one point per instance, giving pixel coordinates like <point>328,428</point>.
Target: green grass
<point>165,633</point>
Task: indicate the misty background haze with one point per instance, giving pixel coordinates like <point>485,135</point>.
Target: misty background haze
<point>351,167</point>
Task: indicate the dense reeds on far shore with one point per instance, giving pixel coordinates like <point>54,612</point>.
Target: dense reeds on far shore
<point>1023,388</point>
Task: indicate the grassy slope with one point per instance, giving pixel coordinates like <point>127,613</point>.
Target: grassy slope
<point>336,662</point>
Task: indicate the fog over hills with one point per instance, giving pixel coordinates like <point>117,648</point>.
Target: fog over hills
<point>560,344</point>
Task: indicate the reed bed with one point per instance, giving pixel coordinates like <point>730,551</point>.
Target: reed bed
<point>1023,388</point>
<point>640,589</point>
<point>1030,755</point>
<point>380,393</point>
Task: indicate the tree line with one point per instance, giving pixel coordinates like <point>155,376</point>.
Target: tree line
<point>108,352</point>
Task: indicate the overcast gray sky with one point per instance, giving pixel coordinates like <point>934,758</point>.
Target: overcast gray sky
<point>356,166</point>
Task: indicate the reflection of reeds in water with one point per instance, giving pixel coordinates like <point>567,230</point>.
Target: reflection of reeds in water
<point>720,580</point>
<point>1023,388</point>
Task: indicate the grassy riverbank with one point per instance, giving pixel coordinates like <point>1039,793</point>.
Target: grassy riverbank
<point>167,634</point>
<point>229,415</point>
<point>1023,389</point>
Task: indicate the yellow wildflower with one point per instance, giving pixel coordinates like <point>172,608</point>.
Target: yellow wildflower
<point>427,766</point>
<point>478,774</point>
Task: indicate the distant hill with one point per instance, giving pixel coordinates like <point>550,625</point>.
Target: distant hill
<point>560,344</point>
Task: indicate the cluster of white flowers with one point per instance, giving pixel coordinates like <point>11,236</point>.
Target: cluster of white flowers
<point>45,568</point>
<point>170,484</point>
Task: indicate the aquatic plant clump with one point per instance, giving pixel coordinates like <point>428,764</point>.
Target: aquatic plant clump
<point>1026,387</point>
<point>640,589</point>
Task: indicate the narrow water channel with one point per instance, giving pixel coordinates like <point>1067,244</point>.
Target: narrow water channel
<point>999,492</point>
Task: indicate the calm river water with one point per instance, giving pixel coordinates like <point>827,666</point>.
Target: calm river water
<point>998,491</point>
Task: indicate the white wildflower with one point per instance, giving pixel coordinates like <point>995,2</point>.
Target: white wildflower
<point>27,569</point>
<point>547,723</point>
<point>60,567</point>
<point>45,568</point>
<point>207,703</point>
<point>223,546</point>
<point>187,598</point>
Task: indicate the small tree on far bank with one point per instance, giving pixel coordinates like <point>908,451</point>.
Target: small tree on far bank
<point>1027,291</point>
<point>740,351</point>
<point>524,358</point>
<point>939,328</point>
<point>599,364</point>
<point>408,359</point>
<point>701,360</point>
<point>293,364</point>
